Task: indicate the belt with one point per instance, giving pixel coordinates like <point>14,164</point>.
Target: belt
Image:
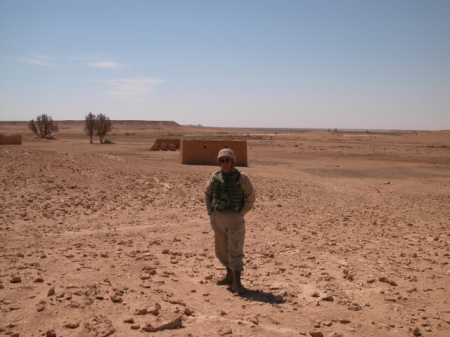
<point>217,208</point>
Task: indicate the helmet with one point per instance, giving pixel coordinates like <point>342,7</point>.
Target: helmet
<point>226,153</point>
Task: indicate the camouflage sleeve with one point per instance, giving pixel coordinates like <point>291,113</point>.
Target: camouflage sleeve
<point>249,193</point>
<point>208,195</point>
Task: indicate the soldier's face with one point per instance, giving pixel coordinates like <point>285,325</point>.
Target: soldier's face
<point>226,164</point>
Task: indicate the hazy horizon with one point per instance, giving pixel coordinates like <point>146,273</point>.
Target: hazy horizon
<point>274,128</point>
<point>260,64</point>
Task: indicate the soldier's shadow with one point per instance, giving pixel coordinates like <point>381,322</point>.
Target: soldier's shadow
<point>260,296</point>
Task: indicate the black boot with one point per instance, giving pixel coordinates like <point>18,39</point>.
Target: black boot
<point>237,286</point>
<point>227,279</point>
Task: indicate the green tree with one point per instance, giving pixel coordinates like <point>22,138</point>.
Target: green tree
<point>43,127</point>
<point>102,126</point>
<point>89,125</point>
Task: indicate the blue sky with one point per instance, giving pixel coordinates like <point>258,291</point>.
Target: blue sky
<point>295,64</point>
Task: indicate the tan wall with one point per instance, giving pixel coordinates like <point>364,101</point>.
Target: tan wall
<point>204,152</point>
<point>11,140</point>
<point>175,142</point>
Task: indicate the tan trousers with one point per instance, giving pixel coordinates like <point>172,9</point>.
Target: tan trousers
<point>229,231</point>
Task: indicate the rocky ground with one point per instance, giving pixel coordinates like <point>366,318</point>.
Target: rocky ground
<point>349,237</point>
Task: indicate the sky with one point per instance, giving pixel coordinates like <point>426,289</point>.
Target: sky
<point>235,63</point>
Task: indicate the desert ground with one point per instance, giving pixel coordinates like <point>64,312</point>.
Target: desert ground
<point>349,235</point>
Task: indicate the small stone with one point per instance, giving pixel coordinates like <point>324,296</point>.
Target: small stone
<point>328,298</point>
<point>148,328</point>
<point>129,320</point>
<point>415,331</point>
<point>38,280</point>
<point>88,300</point>
<point>145,276</point>
<point>15,279</point>
<point>225,331</point>
<point>344,321</point>
<point>188,311</point>
<point>40,306</point>
<point>72,325</point>
<point>135,327</point>
<point>75,304</point>
<point>51,292</point>
<point>50,333</point>
<point>141,311</point>
<point>154,312</point>
<point>116,299</point>
<point>316,333</point>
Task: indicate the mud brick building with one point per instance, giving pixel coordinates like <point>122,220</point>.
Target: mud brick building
<point>204,152</point>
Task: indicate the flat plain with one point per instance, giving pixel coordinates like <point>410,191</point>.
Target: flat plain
<point>349,235</point>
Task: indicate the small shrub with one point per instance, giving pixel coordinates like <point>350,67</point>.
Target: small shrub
<point>43,127</point>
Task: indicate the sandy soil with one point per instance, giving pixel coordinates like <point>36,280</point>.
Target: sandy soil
<point>349,236</point>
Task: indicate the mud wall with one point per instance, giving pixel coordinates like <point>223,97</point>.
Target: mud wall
<point>11,140</point>
<point>204,152</point>
<point>157,145</point>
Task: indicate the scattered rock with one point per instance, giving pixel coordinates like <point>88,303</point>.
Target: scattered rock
<point>415,331</point>
<point>327,298</point>
<point>15,279</point>
<point>225,331</point>
<point>72,325</point>
<point>116,298</point>
<point>50,333</point>
<point>100,326</point>
<point>188,311</point>
<point>51,292</point>
<point>40,306</point>
<point>175,324</point>
<point>386,280</point>
<point>140,311</point>
<point>316,333</point>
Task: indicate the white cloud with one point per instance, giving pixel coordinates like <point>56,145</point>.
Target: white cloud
<point>41,58</point>
<point>105,65</point>
<point>38,59</point>
<point>130,88</point>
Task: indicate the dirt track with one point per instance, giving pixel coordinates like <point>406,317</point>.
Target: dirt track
<point>349,237</point>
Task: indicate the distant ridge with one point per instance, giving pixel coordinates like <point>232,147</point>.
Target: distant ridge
<point>114,121</point>
<point>151,123</point>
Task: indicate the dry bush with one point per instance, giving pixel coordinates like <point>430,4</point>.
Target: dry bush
<point>43,127</point>
<point>102,126</point>
<point>89,125</point>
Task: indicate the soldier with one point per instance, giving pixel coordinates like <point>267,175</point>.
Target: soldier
<point>229,195</point>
